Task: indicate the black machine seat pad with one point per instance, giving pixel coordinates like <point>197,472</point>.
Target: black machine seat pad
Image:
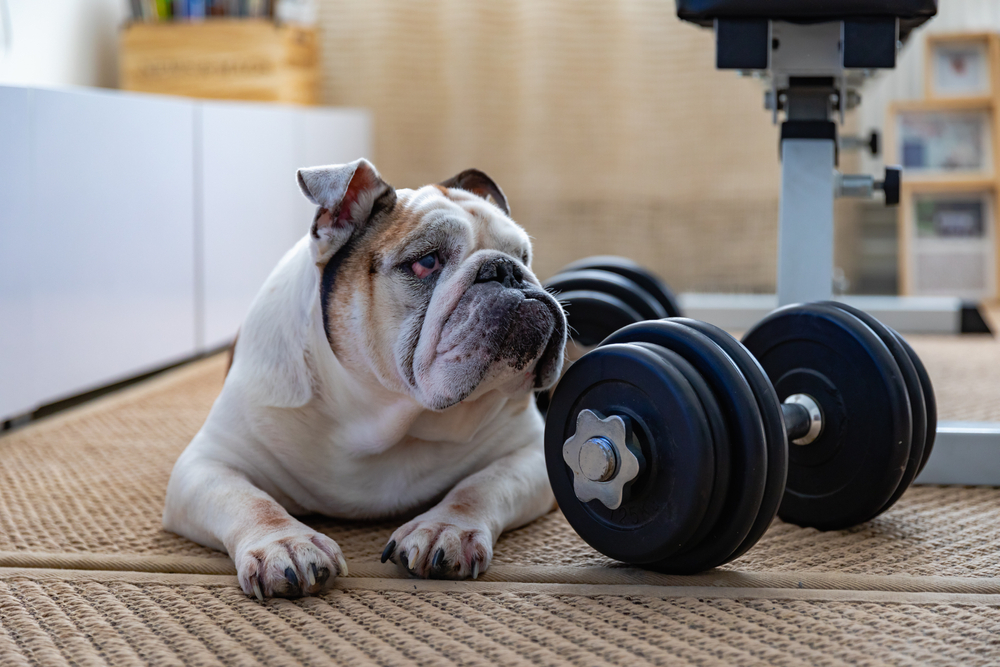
<point>911,13</point>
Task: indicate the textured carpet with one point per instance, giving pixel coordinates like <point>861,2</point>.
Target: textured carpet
<point>87,575</point>
<point>121,622</point>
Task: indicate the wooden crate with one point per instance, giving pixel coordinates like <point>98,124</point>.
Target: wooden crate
<point>233,59</point>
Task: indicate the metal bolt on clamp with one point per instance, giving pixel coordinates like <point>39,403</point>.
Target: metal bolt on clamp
<point>601,462</point>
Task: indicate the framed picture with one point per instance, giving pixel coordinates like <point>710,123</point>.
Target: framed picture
<point>944,141</point>
<point>940,217</point>
<point>959,68</point>
<point>952,244</point>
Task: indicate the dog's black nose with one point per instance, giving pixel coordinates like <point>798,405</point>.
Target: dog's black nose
<point>503,271</point>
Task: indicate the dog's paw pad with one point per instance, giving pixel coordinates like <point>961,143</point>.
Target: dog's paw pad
<point>441,549</point>
<point>289,565</point>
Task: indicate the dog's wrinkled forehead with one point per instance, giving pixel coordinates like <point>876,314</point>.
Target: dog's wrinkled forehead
<point>451,216</point>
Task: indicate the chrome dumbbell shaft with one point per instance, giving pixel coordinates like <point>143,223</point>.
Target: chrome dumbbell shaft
<point>803,418</point>
<point>603,465</point>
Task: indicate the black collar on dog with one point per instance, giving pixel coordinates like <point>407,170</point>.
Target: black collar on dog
<point>330,278</point>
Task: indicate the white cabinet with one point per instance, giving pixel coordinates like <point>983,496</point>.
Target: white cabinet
<point>249,157</point>
<point>17,391</point>
<point>249,161</point>
<point>112,233</point>
<point>136,229</point>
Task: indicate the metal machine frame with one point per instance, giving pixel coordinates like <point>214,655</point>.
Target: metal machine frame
<point>812,73</point>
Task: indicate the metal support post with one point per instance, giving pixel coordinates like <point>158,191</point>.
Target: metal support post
<point>805,221</point>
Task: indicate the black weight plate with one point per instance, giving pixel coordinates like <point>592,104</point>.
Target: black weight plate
<point>774,428</point>
<point>593,316</point>
<point>930,402</point>
<point>667,501</point>
<point>635,272</point>
<point>720,438</point>
<point>914,393</point>
<point>609,283</point>
<point>847,474</point>
<point>590,318</point>
<point>748,448</point>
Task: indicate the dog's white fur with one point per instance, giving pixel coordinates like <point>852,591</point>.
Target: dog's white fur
<point>351,419</point>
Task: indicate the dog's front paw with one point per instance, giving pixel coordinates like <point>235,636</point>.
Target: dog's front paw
<point>289,564</point>
<point>441,545</point>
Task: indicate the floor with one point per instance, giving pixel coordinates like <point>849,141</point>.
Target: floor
<point>88,576</point>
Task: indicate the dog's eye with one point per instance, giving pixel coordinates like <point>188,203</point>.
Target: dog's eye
<point>426,265</point>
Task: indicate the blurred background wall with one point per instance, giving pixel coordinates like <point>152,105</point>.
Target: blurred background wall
<point>608,127</point>
<point>60,42</point>
<point>605,123</point>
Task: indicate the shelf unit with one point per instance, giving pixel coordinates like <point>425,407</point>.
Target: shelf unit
<point>222,58</point>
<point>967,262</point>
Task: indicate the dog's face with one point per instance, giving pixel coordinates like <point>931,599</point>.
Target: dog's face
<point>431,290</point>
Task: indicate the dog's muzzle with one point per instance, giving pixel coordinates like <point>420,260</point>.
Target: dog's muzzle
<point>539,331</point>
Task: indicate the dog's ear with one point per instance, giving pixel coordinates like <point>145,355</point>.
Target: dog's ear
<point>478,183</point>
<point>345,195</point>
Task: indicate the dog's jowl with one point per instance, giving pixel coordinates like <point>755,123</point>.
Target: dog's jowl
<point>388,361</point>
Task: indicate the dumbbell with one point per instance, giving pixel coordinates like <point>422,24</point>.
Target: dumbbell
<point>604,293</point>
<point>672,445</point>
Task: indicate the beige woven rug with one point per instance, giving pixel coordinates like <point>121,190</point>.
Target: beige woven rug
<point>88,576</point>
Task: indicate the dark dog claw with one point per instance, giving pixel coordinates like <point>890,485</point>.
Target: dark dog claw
<point>438,559</point>
<point>404,560</point>
<point>389,548</point>
<point>295,589</point>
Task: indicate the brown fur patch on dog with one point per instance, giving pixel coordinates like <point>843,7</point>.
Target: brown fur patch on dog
<point>465,502</point>
<point>268,513</point>
<point>362,265</point>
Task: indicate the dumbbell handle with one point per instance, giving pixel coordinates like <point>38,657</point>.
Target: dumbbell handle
<point>602,464</point>
<point>803,418</point>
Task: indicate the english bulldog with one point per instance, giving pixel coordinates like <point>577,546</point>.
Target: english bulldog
<point>387,366</point>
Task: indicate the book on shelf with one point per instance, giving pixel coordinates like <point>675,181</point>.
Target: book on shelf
<point>194,10</point>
